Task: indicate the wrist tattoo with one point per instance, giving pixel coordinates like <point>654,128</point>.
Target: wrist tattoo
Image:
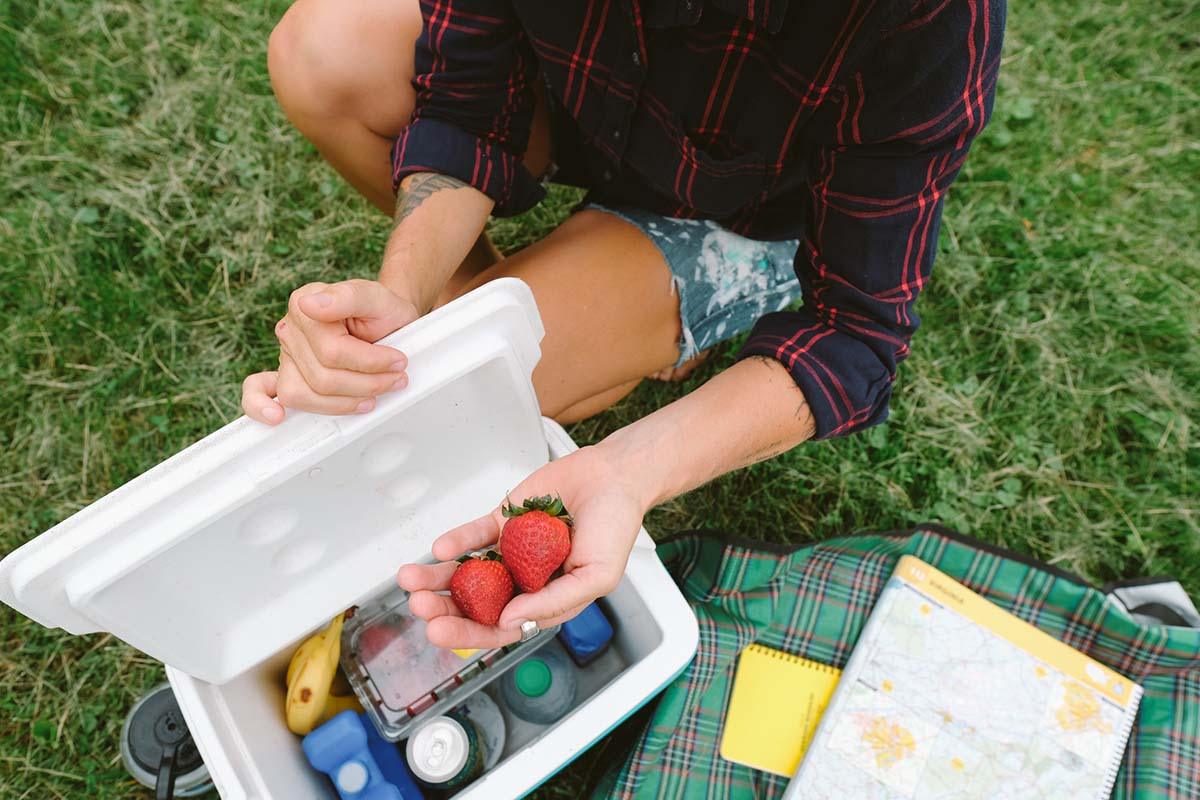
<point>419,188</point>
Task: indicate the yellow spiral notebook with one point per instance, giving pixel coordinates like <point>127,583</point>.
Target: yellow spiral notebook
<point>776,704</point>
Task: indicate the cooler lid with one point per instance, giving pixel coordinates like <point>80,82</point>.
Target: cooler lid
<point>225,553</point>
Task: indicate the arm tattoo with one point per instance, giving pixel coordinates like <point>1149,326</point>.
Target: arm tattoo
<point>420,187</point>
<point>802,410</point>
<point>763,453</point>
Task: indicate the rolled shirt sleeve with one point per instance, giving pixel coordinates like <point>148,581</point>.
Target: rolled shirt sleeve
<point>906,122</point>
<point>474,106</point>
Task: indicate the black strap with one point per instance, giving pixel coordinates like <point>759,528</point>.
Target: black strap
<point>1163,613</point>
<point>164,787</point>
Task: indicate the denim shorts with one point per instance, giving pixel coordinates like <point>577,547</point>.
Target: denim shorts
<point>726,282</point>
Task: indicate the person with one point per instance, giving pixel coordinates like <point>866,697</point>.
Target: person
<point>739,156</point>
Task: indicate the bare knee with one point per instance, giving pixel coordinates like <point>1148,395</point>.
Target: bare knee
<point>336,58</point>
<point>304,64</point>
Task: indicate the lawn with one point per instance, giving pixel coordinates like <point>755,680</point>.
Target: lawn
<point>156,208</point>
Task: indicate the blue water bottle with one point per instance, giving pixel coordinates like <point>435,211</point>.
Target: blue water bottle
<point>586,637</point>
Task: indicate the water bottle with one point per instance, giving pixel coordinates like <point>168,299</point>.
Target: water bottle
<point>540,689</point>
<point>158,750</point>
<point>586,637</point>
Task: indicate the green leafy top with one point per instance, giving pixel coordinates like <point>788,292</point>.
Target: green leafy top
<point>486,555</point>
<point>552,505</point>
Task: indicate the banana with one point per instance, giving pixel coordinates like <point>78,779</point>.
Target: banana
<point>310,676</point>
<point>304,652</point>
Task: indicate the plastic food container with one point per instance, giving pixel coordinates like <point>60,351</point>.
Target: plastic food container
<point>222,559</point>
<point>401,679</point>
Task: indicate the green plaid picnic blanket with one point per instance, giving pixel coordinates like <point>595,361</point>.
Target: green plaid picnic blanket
<point>813,602</point>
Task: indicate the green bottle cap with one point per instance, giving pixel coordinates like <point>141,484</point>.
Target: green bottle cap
<point>533,678</point>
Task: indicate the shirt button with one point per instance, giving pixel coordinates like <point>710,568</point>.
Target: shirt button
<point>637,58</point>
<point>688,5</point>
<point>607,175</point>
<point>616,135</point>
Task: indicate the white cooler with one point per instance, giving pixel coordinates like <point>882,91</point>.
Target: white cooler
<point>222,559</point>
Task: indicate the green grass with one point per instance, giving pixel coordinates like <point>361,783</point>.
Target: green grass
<point>156,208</point>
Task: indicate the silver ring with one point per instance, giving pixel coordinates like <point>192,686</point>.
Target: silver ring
<point>529,629</point>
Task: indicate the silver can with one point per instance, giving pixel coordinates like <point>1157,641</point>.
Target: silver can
<point>446,752</point>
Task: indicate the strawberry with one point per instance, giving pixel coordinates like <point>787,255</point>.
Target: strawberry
<point>374,640</point>
<point>535,540</point>
<point>481,587</point>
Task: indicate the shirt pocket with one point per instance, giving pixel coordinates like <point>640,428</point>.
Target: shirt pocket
<point>673,163</point>
<point>719,186</point>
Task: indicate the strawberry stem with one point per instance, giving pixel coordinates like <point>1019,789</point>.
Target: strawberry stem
<point>550,504</point>
<point>480,555</point>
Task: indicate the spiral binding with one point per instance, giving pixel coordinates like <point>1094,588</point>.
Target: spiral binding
<point>1122,742</point>
<point>799,661</point>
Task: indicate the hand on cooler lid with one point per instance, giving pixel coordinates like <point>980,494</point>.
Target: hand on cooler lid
<point>328,363</point>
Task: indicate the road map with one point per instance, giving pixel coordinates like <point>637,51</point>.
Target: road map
<point>939,706</point>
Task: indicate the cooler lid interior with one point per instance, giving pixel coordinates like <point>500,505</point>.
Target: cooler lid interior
<point>220,556</point>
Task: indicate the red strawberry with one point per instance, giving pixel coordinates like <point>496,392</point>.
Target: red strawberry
<point>536,540</point>
<point>481,588</point>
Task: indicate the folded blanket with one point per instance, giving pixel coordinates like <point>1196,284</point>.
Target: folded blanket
<point>813,602</point>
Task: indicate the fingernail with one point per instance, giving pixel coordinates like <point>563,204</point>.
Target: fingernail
<point>398,366</point>
<point>401,382</point>
<point>322,299</point>
<point>272,413</point>
<point>364,406</point>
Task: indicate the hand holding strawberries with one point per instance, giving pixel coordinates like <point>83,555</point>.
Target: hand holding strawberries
<point>607,516</point>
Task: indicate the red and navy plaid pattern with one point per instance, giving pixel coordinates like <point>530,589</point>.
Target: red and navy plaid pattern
<point>838,123</point>
<point>813,602</point>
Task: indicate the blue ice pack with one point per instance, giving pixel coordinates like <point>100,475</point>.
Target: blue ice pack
<point>587,636</point>
<point>362,764</point>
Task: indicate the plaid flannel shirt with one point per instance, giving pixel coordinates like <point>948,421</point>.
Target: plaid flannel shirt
<point>841,124</point>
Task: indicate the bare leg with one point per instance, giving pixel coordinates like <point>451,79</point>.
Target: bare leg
<point>342,72</point>
<point>604,293</point>
<point>594,405</point>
